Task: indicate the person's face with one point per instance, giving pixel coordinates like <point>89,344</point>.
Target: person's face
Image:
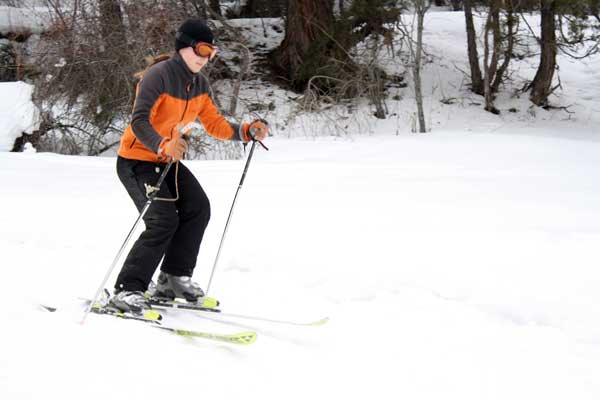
<point>194,63</point>
<point>196,60</point>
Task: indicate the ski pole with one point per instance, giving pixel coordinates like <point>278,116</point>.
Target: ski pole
<point>151,197</point>
<point>254,141</point>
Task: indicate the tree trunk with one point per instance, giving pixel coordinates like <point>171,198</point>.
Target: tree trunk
<point>376,88</point>
<point>420,9</point>
<point>456,5</point>
<point>244,66</point>
<point>511,24</point>
<point>476,78</point>
<point>264,8</point>
<point>489,103</point>
<point>114,60</point>
<point>215,5</point>
<point>111,24</point>
<point>490,62</point>
<point>249,10</point>
<point>595,9</point>
<point>541,87</point>
<point>496,37</point>
<point>308,21</point>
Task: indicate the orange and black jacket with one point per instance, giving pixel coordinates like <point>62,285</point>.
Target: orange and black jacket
<point>169,94</point>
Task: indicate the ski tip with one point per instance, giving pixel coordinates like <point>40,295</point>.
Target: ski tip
<point>209,302</point>
<point>152,315</point>
<point>48,308</point>
<point>244,338</point>
<point>320,322</point>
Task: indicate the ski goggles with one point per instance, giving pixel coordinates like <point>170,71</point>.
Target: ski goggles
<point>205,50</point>
<point>201,49</point>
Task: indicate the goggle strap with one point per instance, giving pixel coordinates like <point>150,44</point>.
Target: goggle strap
<point>186,39</point>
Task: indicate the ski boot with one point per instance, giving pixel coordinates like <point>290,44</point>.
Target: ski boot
<point>133,302</point>
<point>168,287</point>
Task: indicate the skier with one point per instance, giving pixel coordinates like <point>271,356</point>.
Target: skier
<point>171,94</point>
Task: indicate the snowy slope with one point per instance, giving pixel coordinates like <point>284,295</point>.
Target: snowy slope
<point>451,265</point>
<point>460,264</point>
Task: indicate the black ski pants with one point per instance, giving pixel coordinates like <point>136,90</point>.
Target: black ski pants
<point>174,229</point>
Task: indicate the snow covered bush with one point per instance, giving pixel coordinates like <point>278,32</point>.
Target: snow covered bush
<point>18,114</point>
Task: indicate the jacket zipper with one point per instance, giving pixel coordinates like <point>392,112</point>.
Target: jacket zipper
<point>187,100</point>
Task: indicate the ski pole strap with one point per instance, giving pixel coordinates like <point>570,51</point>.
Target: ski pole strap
<point>152,191</point>
<point>259,142</point>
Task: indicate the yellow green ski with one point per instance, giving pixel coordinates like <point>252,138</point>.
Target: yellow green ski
<point>243,338</point>
<point>154,318</point>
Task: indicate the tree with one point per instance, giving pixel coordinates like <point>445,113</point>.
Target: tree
<point>308,24</point>
<point>319,55</point>
<point>476,76</point>
<point>490,63</point>
<point>499,38</point>
<point>85,82</point>
<point>113,57</point>
<point>215,6</point>
<point>456,4</point>
<point>421,8</point>
<point>571,27</point>
<point>541,87</point>
<point>412,39</point>
<point>265,8</point>
<point>512,23</point>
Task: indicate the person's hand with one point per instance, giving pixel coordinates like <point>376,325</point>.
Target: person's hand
<point>257,129</point>
<point>174,148</point>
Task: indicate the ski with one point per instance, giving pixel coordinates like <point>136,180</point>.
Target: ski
<point>149,316</point>
<point>167,303</point>
<point>154,318</point>
<point>242,338</point>
<point>205,302</point>
<point>177,305</point>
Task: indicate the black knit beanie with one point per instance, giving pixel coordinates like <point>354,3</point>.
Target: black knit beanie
<point>193,29</point>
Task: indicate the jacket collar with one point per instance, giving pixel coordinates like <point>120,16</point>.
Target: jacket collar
<point>177,59</point>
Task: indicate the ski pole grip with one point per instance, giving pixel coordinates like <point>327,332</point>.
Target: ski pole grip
<point>251,132</point>
<point>258,141</point>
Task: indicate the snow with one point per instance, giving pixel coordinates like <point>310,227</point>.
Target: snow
<point>18,114</point>
<point>458,264</point>
<point>29,17</point>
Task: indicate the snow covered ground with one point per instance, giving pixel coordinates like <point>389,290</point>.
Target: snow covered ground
<point>459,264</point>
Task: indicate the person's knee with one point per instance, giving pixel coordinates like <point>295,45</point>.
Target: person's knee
<point>164,225</point>
<point>206,211</point>
<point>201,211</point>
